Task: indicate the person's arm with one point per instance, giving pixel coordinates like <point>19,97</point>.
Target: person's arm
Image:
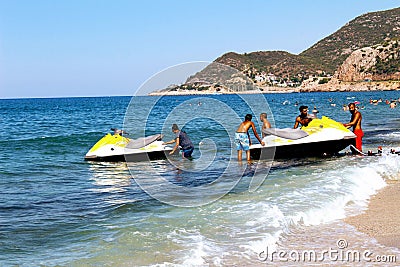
<point>169,142</point>
<point>175,147</point>
<point>256,134</point>
<point>296,124</point>
<point>354,121</point>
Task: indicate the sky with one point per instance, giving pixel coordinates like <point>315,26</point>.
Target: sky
<point>106,48</point>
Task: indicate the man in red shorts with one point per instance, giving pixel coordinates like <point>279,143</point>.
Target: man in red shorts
<point>355,122</point>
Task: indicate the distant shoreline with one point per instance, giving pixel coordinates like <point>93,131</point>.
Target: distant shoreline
<point>329,87</point>
<point>192,92</point>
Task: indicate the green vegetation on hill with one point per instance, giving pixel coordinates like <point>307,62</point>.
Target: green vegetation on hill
<point>326,55</point>
<point>366,30</point>
<point>285,66</point>
<point>391,63</point>
<point>280,68</point>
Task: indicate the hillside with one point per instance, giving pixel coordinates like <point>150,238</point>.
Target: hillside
<point>366,30</point>
<point>281,63</point>
<point>326,55</point>
<point>377,63</point>
<point>369,68</point>
<point>367,47</point>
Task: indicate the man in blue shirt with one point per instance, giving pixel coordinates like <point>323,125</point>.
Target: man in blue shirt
<point>182,140</point>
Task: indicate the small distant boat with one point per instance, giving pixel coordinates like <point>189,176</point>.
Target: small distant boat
<point>116,148</point>
<point>322,137</point>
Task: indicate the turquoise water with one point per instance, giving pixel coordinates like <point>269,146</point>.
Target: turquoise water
<point>57,209</point>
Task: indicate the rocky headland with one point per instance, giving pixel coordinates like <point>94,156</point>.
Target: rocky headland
<point>363,55</point>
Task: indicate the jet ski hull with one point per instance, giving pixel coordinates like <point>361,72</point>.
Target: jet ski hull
<point>116,148</point>
<point>315,149</point>
<point>135,157</point>
<point>322,137</point>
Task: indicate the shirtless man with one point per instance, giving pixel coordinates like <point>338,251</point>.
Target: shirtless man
<point>266,124</point>
<point>355,122</point>
<point>242,137</point>
<point>303,119</point>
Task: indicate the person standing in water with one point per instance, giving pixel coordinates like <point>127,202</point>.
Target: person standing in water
<point>265,123</point>
<point>355,122</point>
<point>182,140</point>
<point>242,137</point>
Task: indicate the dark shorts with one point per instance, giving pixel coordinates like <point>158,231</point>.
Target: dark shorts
<point>187,152</point>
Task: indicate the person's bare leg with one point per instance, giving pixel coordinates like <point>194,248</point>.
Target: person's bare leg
<point>248,155</point>
<point>239,155</point>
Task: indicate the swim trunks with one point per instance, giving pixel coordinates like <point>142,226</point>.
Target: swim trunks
<point>359,133</point>
<point>187,153</point>
<point>242,141</point>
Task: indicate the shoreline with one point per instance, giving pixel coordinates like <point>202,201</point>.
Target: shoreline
<point>381,220</point>
<point>329,87</point>
<point>204,92</point>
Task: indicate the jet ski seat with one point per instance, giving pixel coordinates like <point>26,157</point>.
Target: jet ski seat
<point>287,133</point>
<point>143,141</point>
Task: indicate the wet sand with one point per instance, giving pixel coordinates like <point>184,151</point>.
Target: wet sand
<point>382,218</point>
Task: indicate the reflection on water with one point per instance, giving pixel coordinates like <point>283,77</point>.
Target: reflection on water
<point>111,179</point>
<point>114,175</point>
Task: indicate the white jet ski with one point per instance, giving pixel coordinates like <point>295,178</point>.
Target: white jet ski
<point>322,137</point>
<point>117,147</point>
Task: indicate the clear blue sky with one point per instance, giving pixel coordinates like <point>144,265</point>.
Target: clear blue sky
<point>100,48</point>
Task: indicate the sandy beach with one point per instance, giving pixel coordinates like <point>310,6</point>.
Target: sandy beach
<point>382,218</point>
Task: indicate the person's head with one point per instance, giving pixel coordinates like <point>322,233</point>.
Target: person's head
<point>248,117</point>
<point>263,116</point>
<point>352,108</point>
<point>303,110</point>
<point>175,127</point>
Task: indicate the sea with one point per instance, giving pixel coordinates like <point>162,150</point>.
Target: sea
<point>56,209</point>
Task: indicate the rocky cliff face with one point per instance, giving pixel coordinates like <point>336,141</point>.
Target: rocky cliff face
<point>326,55</point>
<point>366,30</point>
<point>350,52</point>
<point>366,69</point>
<point>353,68</point>
<point>377,63</point>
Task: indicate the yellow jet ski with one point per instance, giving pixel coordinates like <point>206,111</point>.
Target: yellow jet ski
<point>322,137</point>
<point>116,147</point>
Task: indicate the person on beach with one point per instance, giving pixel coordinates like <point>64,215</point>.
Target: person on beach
<point>355,122</point>
<point>265,123</point>
<point>303,119</point>
<point>242,137</point>
<point>181,140</point>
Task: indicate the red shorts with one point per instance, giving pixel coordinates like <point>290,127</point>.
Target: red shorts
<point>359,133</point>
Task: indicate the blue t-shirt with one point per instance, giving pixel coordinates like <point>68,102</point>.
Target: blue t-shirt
<point>184,140</point>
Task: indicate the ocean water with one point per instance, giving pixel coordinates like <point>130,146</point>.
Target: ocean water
<point>57,209</point>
